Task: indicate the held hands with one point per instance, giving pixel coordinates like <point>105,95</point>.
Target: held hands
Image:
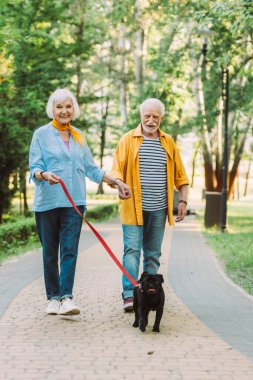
<point>123,189</point>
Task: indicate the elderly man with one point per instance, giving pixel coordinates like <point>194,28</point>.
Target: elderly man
<point>148,161</point>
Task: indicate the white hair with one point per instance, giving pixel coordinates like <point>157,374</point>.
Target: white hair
<point>154,101</point>
<point>60,95</point>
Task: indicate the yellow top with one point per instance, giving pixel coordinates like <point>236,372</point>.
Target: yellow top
<point>126,167</point>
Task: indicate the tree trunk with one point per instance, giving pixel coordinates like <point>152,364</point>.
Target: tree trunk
<point>210,179</point>
<point>209,173</point>
<point>103,126</point>
<point>238,186</point>
<point>194,163</point>
<point>232,120</point>
<point>79,79</point>
<point>237,159</point>
<point>247,177</point>
<point>79,61</point>
<point>139,43</point>
<point>79,9</point>
<point>122,80</point>
<point>218,156</point>
<point>175,127</point>
<point>23,190</point>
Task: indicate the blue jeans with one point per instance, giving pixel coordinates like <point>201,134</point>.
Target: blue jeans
<point>149,237</point>
<point>59,227</point>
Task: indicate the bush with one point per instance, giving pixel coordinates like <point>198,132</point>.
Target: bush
<point>21,235</point>
<point>101,213</point>
<point>17,233</point>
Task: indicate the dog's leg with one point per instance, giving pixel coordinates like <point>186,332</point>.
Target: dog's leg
<point>143,321</point>
<point>158,317</point>
<point>136,307</point>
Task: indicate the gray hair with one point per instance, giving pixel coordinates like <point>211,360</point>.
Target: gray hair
<point>60,95</point>
<point>153,100</point>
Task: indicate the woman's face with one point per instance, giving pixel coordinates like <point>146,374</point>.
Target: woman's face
<point>64,111</point>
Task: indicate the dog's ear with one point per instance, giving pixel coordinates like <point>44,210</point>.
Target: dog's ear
<point>161,278</point>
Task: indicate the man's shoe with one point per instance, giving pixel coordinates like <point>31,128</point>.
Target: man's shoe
<point>128,304</point>
<point>68,307</point>
<point>53,307</point>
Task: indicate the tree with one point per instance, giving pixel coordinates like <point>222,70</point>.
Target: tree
<point>35,69</point>
<point>229,51</point>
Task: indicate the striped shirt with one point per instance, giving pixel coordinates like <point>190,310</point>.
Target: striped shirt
<point>153,175</point>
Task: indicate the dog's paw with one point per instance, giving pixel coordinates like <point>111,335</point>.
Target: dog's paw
<point>135,324</point>
<point>142,328</point>
<point>156,329</point>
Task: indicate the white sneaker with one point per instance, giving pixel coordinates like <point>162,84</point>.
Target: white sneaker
<point>53,307</point>
<point>68,307</point>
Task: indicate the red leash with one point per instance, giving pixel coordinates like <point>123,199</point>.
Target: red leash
<point>108,249</point>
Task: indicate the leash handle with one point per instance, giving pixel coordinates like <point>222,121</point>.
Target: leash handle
<point>104,244</point>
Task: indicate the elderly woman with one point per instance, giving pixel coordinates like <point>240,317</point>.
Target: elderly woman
<point>60,151</point>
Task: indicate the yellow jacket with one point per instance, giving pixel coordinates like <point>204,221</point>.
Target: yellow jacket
<point>126,167</point>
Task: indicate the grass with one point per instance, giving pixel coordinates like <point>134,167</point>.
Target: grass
<point>18,249</point>
<point>234,248</point>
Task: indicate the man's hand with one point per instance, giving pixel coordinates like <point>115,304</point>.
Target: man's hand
<point>182,211</point>
<point>123,189</point>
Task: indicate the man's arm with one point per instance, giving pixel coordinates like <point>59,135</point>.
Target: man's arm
<point>182,204</point>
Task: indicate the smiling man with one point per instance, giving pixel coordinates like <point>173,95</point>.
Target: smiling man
<point>148,161</point>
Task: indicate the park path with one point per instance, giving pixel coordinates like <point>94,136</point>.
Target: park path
<point>100,343</point>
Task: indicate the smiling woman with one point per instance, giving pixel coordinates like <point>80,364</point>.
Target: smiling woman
<point>60,151</point>
<point>63,107</point>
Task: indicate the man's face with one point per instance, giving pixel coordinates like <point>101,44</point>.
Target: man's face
<point>151,118</point>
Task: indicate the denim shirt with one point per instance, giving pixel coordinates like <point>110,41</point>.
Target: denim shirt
<point>49,153</point>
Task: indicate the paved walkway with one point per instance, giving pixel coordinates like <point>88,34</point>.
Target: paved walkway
<point>198,280</point>
<point>101,344</point>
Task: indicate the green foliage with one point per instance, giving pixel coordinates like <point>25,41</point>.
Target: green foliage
<point>91,48</point>
<point>16,231</point>
<point>102,213</point>
<point>21,235</point>
<point>35,68</point>
<point>15,237</point>
<point>234,248</point>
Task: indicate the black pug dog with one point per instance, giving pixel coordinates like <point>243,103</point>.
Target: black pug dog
<point>149,295</point>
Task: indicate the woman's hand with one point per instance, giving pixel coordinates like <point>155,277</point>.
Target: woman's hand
<point>52,178</point>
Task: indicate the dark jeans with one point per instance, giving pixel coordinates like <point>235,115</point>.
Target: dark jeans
<point>59,227</point>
